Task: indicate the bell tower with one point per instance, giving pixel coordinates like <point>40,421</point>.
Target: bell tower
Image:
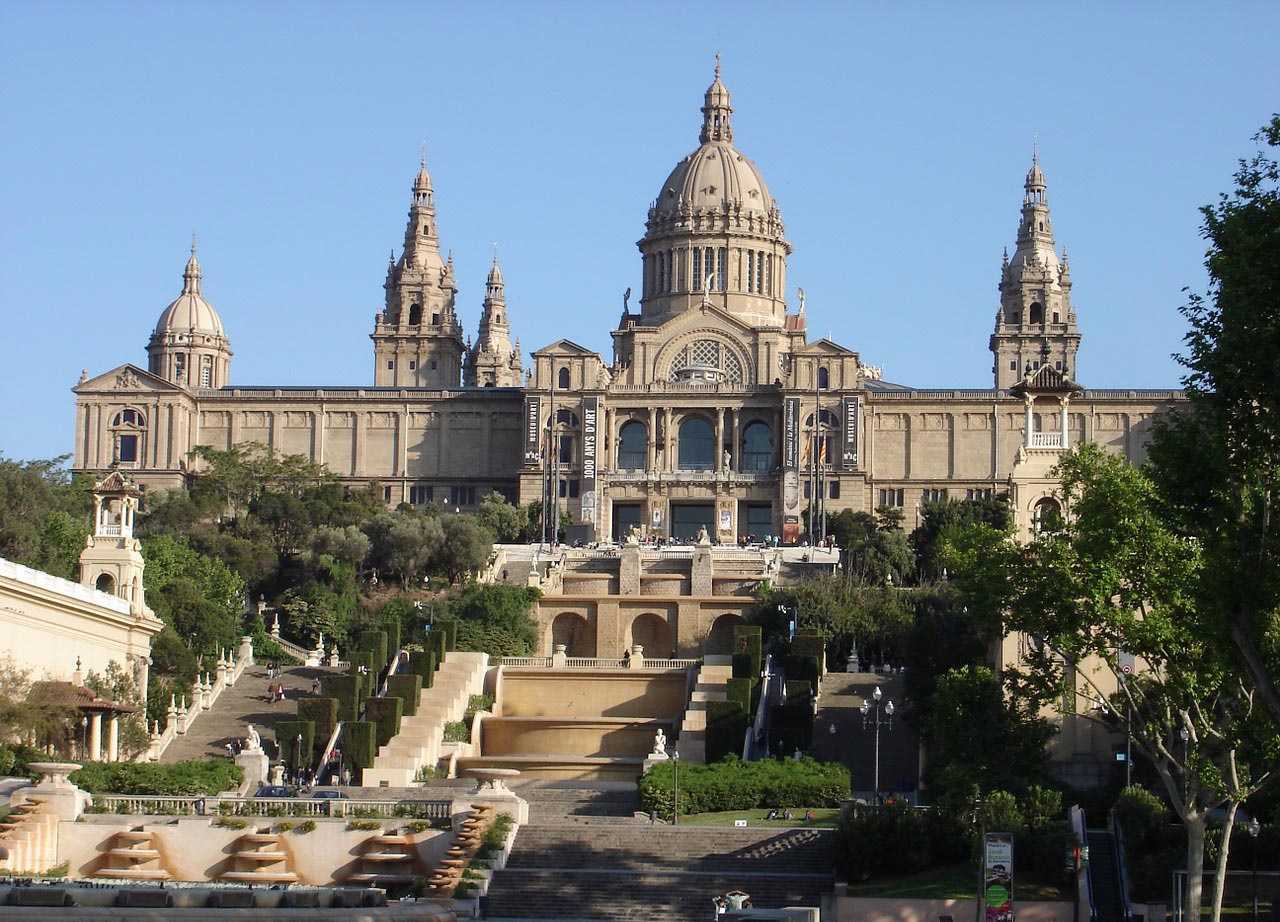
<point>417,340</point>
<point>112,557</point>
<point>1035,296</point>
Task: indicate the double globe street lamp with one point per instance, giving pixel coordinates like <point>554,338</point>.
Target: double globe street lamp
<point>868,719</point>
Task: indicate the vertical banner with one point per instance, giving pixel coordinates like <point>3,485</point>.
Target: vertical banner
<point>851,408</point>
<point>532,429</point>
<point>790,433</point>
<point>997,887</point>
<point>590,449</point>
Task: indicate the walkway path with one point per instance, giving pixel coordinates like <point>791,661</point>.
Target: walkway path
<point>854,745</point>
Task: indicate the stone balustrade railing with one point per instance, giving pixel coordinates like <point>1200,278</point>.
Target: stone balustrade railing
<point>215,805</point>
<point>207,690</point>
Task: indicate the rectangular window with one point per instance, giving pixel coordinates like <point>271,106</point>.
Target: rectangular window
<point>768,275</point>
<point>759,273</point>
<point>390,365</point>
<point>420,495</point>
<point>179,367</point>
<point>433,364</point>
<point>722,269</point>
<point>833,489</point>
<point>978,493</point>
<point>892,497</point>
<point>386,494</point>
<point>206,372</point>
<point>807,489</point>
<point>566,449</point>
<point>697,269</point>
<point>569,489</point>
<point>128,448</point>
<point>932,495</point>
<point>412,364</point>
<point>751,271</point>
<point>462,496</point>
<point>1013,366</point>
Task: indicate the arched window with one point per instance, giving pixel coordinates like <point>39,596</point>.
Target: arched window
<point>562,378</point>
<point>1037,312</point>
<point>127,430</point>
<point>415,314</point>
<point>633,446</point>
<point>567,426</point>
<point>1047,516</point>
<point>756,453</point>
<point>105,583</point>
<point>696,450</point>
<point>824,379</point>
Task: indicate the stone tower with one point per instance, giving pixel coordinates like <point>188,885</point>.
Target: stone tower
<point>714,234</point>
<point>494,362</point>
<point>417,340</point>
<point>112,557</point>
<point>189,346</point>
<point>1035,297</point>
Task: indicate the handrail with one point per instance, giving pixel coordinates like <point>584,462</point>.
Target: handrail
<point>1121,873</point>
<point>328,748</point>
<point>769,688</point>
<point>1080,826</point>
<point>401,657</point>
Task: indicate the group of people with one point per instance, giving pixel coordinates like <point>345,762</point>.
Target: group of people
<point>273,670</point>
<point>275,692</point>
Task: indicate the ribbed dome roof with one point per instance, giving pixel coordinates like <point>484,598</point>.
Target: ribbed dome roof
<point>714,176</point>
<point>190,313</point>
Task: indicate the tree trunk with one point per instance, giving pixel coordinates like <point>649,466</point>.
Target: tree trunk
<point>1195,823</point>
<point>1220,878</point>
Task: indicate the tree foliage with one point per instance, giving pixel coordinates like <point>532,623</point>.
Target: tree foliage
<point>44,515</point>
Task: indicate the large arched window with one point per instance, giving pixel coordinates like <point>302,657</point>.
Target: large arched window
<point>1037,313</point>
<point>822,441</point>
<point>824,379</point>
<point>562,378</point>
<point>706,355</point>
<point>697,445</point>
<point>567,426</point>
<point>633,446</point>
<point>1047,516</point>
<point>415,314</point>
<point>127,430</point>
<point>756,452</point>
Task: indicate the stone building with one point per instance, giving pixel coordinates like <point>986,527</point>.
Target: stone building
<point>716,410</point>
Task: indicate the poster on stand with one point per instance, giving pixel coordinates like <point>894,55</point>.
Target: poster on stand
<point>997,877</point>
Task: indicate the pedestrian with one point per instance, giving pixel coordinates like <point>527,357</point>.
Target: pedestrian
<point>315,686</point>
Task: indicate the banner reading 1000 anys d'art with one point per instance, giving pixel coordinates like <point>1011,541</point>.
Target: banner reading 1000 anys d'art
<point>590,451</point>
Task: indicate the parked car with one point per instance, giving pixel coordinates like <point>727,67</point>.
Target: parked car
<point>274,790</point>
<point>330,794</point>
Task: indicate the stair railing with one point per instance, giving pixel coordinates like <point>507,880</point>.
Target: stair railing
<point>401,658</point>
<point>328,748</point>
<point>770,691</point>
<point>1122,874</point>
<point>1081,829</point>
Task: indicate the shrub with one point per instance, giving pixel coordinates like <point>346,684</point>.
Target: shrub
<point>457,731</point>
<point>895,839</point>
<point>285,826</point>
<point>448,631</point>
<point>384,713</point>
<point>799,666</point>
<point>392,629</point>
<point>743,667</point>
<point>808,645</point>
<point>231,822</point>
<point>359,739</point>
<point>798,691</point>
<point>740,690</point>
<point>736,785</point>
<point>408,688</point>
<point>362,659</point>
<point>179,779</point>
<point>477,703</point>
<point>323,713</point>
<point>374,643</point>
<point>306,826</point>
<point>423,663</point>
<point>790,727</point>
<point>287,733</point>
<point>363,825</point>
<point>746,639</point>
<point>346,690</point>
<point>726,724</point>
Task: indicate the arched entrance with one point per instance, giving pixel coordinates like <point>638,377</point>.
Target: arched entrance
<point>719,640</point>
<point>574,631</point>
<point>653,633</point>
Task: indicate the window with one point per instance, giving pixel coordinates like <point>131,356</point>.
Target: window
<point>932,495</point>
<point>179,367</point>
<point>1047,516</point>
<point>1013,365</point>
<point>128,448</point>
<point>1055,316</point>
<point>633,446</point>
<point>756,451</point>
<point>1037,313</point>
<point>824,379</point>
<point>435,320</point>
<point>893,497</point>
<point>415,314</point>
<point>833,489</point>
<point>722,269</point>
<point>708,353</point>
<point>412,364</point>
<point>565,454</point>
<point>433,364</point>
<point>569,489</point>
<point>759,273</point>
<point>386,494</point>
<point>696,449</point>
<point>751,271</point>
<point>390,365</point>
<point>978,494</point>
<point>768,275</point>
<point>562,378</point>
<point>129,417</point>
<point>808,488</point>
<point>462,496</point>
<point>695,283</point>
<point>206,371</point>
<point>420,494</point>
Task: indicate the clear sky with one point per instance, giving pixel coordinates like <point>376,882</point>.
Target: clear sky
<point>894,136</point>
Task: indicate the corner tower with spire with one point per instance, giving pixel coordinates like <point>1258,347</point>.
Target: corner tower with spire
<point>1036,323</point>
<point>417,340</point>
<point>494,362</point>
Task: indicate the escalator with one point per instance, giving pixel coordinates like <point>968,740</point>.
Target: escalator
<point>1109,904</point>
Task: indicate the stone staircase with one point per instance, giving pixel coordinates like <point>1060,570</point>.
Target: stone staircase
<point>853,745</point>
<point>711,685</point>
<point>244,703</point>
<point>30,836</point>
<point>624,872</point>
<point>460,676</point>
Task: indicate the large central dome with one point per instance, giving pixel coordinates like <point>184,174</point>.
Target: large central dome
<point>714,233</point>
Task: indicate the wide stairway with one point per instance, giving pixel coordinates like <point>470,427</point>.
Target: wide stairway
<point>246,702</point>
<point>854,745</point>
<point>584,855</point>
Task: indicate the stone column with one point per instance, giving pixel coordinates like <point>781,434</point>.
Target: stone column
<point>653,436</point>
<point>113,738</point>
<point>719,453</point>
<point>1063,401</point>
<point>735,462</point>
<point>95,736</point>
<point>1030,423</point>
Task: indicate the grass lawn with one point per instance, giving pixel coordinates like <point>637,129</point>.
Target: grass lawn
<point>953,882</point>
<point>822,817</point>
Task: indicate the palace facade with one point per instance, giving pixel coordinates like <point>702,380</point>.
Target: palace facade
<point>715,410</point>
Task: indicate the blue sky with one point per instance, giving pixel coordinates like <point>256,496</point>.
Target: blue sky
<point>894,136</point>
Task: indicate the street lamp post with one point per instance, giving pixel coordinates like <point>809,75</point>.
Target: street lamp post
<point>866,709</point>
<point>1254,828</point>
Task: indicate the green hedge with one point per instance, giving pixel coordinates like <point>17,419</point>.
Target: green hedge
<point>447,628</point>
<point>798,691</point>
<point>373,642</point>
<point>809,645</point>
<point>726,724</point>
<point>346,689</point>
<point>385,714</point>
<point>790,728</point>
<point>287,732</point>
<point>323,712</point>
<point>747,639</point>
<point>359,658</point>
<point>392,630</point>
<point>740,690</point>
<point>408,688</point>
<point>423,663</point>
<point>736,785</point>
<point>178,779</point>
<point>359,743</point>
<point>743,667</point>
<point>801,667</point>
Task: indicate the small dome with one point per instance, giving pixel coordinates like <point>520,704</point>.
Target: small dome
<point>713,177</point>
<point>190,313</point>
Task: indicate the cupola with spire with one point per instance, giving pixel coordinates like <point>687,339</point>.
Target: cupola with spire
<point>417,338</point>
<point>1035,294</point>
<point>714,234</point>
<point>189,346</point>
<point>493,362</point>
